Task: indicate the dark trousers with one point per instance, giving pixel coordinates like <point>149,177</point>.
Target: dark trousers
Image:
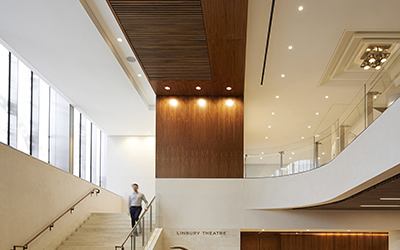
<point>135,212</point>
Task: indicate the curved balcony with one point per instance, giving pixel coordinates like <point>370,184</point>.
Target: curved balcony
<point>359,150</point>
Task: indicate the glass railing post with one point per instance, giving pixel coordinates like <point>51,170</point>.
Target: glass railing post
<point>143,229</point>
<point>151,218</point>
<point>281,153</point>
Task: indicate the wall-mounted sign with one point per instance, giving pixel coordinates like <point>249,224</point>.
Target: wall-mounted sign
<point>205,232</point>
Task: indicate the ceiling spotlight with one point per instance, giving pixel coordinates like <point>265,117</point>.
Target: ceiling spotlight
<point>266,137</point>
<point>290,158</point>
<point>201,102</point>
<point>277,97</point>
<point>229,102</point>
<point>283,75</point>
<point>323,153</point>
<point>301,8</point>
<point>292,153</point>
<point>309,127</point>
<point>302,137</point>
<point>139,75</point>
<point>317,113</point>
<point>261,158</point>
<point>167,88</point>
<point>269,126</point>
<point>229,88</point>
<point>198,88</point>
<point>173,102</point>
<point>131,59</point>
<point>119,39</point>
<point>273,113</point>
<point>290,47</point>
<point>326,97</point>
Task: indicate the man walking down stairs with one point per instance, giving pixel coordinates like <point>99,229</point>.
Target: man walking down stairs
<point>102,231</point>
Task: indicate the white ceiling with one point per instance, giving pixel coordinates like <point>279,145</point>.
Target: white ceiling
<point>314,34</point>
<point>60,40</point>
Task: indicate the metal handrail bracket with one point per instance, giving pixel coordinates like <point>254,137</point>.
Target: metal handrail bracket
<point>51,224</point>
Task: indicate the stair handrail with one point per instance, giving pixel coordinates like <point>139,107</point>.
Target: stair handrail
<point>136,224</point>
<point>51,225</point>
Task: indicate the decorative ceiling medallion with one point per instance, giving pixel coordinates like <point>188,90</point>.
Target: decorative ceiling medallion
<point>344,67</point>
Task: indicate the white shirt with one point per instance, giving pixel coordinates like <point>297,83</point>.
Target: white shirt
<point>135,199</point>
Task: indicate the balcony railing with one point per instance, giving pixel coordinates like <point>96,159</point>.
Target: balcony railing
<point>381,90</point>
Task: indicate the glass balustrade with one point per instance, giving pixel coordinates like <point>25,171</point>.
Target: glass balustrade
<point>375,96</point>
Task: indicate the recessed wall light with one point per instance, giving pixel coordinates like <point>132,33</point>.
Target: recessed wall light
<point>277,97</point>
<point>119,39</point>
<point>290,47</point>
<point>387,206</point>
<point>390,199</point>
<point>229,88</point>
<point>301,8</point>
<point>229,102</point>
<point>317,113</point>
<point>326,97</point>
<point>309,127</point>
<point>201,102</point>
<point>139,75</point>
<point>283,75</point>
<point>167,87</point>
<point>173,102</point>
<point>198,88</point>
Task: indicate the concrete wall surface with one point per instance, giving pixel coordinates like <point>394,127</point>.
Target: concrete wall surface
<point>34,193</point>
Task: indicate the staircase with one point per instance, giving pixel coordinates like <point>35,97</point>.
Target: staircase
<point>102,231</point>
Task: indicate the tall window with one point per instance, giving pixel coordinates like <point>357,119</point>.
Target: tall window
<point>24,108</point>
<point>36,119</point>
<point>4,72</point>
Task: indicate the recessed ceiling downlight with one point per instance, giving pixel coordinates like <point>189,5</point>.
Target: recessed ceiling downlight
<point>119,39</point>
<point>229,88</point>
<point>131,59</point>
<point>167,87</point>
<point>301,8</point>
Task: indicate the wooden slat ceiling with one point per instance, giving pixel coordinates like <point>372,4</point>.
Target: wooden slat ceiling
<point>188,43</point>
<point>389,188</point>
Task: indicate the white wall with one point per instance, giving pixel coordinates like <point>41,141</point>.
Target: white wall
<point>33,194</point>
<point>131,159</point>
<point>394,240</point>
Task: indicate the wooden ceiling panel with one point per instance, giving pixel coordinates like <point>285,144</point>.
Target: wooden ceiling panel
<point>168,37</point>
<point>184,44</point>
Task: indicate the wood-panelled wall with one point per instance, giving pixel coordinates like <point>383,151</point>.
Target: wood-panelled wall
<point>314,241</point>
<point>194,141</point>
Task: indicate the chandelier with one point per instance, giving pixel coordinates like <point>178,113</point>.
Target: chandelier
<point>374,57</point>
